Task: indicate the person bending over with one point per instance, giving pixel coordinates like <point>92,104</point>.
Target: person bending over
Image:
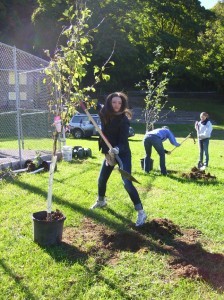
<point>155,138</point>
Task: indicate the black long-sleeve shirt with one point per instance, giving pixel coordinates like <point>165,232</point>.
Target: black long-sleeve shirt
<point>117,132</point>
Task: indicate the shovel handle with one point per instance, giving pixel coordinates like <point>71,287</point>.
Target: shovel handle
<point>95,125</point>
<point>181,142</point>
<point>120,164</point>
<point>119,161</point>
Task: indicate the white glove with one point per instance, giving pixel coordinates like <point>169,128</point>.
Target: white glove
<point>110,160</point>
<point>114,151</point>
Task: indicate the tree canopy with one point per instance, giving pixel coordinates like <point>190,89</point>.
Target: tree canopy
<point>190,35</point>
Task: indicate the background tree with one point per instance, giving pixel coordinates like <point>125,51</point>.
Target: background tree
<point>16,28</point>
<point>68,65</point>
<point>137,27</point>
<point>45,19</point>
<point>211,53</point>
<point>175,26</point>
<point>155,88</point>
<point>114,31</point>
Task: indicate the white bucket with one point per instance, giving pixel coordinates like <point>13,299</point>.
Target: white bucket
<point>67,153</point>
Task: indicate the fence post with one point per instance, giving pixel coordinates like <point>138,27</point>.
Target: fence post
<point>17,104</point>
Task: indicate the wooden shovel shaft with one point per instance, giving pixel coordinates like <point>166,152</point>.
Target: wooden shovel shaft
<point>123,173</point>
<point>181,142</point>
<point>96,126</point>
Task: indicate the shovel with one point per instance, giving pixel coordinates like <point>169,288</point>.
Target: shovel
<point>189,135</point>
<point>120,164</point>
<point>201,167</point>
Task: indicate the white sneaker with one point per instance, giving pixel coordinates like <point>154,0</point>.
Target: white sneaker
<point>99,203</point>
<point>141,218</point>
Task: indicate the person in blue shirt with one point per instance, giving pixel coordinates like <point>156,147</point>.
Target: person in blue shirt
<point>115,124</point>
<point>155,138</point>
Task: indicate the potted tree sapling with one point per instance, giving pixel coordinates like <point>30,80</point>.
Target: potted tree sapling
<point>48,225</point>
<point>64,76</point>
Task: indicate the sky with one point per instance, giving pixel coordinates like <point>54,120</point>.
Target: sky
<point>208,3</point>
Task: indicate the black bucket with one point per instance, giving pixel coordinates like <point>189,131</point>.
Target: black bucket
<point>150,167</point>
<point>47,233</point>
<point>142,163</point>
<point>150,164</point>
<point>87,152</point>
<point>80,153</point>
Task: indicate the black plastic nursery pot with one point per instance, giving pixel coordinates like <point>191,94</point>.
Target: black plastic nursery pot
<point>142,161</point>
<point>47,233</point>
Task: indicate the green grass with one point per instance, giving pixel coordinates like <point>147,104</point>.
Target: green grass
<point>29,143</point>
<point>28,271</point>
<point>213,106</point>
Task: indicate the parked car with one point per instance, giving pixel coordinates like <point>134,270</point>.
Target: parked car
<point>81,127</point>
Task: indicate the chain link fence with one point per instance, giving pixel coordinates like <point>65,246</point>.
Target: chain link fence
<point>25,120</point>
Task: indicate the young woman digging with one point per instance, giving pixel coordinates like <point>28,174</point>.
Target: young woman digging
<point>115,126</point>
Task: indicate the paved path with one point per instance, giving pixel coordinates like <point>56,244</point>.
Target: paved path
<point>11,159</point>
<point>166,117</point>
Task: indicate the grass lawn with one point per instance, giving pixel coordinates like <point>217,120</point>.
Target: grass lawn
<point>178,254</point>
<point>214,107</point>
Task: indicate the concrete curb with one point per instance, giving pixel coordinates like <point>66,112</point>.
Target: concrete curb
<point>9,159</point>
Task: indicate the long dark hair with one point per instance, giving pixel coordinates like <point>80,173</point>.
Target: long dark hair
<point>107,112</point>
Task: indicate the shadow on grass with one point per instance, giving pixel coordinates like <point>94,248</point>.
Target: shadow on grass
<point>66,252</point>
<point>188,258</point>
<point>113,286</point>
<point>79,161</point>
<point>17,278</point>
<point>64,178</point>
<point>74,206</point>
<point>104,239</point>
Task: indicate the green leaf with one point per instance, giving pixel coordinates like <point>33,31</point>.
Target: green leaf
<point>105,77</point>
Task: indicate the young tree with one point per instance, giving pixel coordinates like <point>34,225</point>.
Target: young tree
<point>155,88</point>
<point>68,68</point>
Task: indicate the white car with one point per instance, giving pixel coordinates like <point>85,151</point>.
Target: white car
<point>80,126</point>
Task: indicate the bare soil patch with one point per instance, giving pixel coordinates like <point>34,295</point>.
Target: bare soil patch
<point>187,256</point>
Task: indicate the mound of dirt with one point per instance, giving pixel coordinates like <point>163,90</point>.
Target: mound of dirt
<point>187,257</point>
<point>160,228</point>
<point>198,174</point>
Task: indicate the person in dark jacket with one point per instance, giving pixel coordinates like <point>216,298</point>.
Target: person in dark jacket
<point>155,138</point>
<point>115,126</point>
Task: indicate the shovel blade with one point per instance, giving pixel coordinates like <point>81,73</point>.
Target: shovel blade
<point>127,175</point>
